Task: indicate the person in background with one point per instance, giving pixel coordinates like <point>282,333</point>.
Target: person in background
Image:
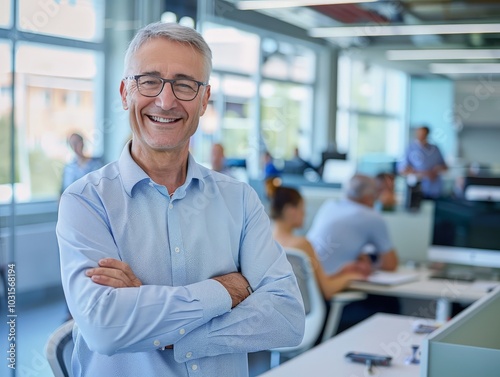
<point>297,165</point>
<point>218,160</point>
<point>270,170</point>
<point>341,230</point>
<point>288,211</point>
<point>168,268</point>
<point>341,233</point>
<point>387,199</point>
<point>425,162</point>
<point>81,164</point>
<point>272,176</point>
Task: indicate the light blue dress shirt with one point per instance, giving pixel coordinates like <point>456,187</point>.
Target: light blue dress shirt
<point>212,225</point>
<point>341,230</point>
<point>422,158</point>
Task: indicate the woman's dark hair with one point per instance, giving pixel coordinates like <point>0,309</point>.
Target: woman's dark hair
<point>280,197</point>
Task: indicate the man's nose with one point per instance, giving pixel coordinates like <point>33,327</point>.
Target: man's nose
<point>166,98</point>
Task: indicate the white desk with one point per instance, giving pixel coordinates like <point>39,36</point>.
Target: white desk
<point>385,334</point>
<point>443,291</point>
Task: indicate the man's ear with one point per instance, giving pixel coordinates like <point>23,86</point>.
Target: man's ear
<point>206,97</point>
<point>123,94</point>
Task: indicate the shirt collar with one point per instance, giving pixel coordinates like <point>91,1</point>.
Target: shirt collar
<point>132,173</point>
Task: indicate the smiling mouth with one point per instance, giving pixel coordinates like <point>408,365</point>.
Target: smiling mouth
<point>158,119</point>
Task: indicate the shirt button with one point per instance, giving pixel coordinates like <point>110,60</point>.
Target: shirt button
<point>170,206</point>
<point>156,343</point>
<point>189,354</point>
<point>194,367</point>
<point>182,331</point>
<point>177,249</point>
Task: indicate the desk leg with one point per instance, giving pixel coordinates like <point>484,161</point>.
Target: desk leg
<point>443,310</point>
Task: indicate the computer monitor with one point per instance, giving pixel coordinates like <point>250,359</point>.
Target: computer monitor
<point>338,171</point>
<point>467,345</point>
<point>466,233</point>
<point>482,188</point>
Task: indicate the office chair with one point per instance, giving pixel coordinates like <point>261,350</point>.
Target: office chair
<point>59,348</point>
<point>314,306</point>
<point>337,303</point>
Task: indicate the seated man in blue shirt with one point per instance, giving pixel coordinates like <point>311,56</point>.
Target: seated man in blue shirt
<point>169,268</point>
<point>342,232</point>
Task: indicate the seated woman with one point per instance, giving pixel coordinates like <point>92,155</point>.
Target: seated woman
<point>387,199</point>
<point>287,211</point>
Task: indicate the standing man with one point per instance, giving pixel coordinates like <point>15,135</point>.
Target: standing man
<point>170,269</point>
<point>425,161</point>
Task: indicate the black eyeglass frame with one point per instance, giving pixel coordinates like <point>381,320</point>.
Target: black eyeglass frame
<point>164,81</point>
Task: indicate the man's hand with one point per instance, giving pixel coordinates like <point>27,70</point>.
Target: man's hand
<point>361,268</point>
<point>113,273</point>
<point>236,285</point>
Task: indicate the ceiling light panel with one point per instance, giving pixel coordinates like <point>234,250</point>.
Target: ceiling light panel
<point>383,30</point>
<point>274,4</point>
<point>464,68</point>
<point>448,54</point>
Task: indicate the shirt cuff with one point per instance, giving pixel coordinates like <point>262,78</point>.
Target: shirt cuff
<point>214,298</point>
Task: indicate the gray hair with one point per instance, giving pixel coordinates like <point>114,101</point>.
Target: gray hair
<point>361,186</point>
<point>173,32</point>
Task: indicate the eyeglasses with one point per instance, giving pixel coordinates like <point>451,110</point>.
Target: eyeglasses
<point>152,86</point>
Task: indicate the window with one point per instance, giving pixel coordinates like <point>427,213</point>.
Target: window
<point>228,117</point>
<point>77,19</point>
<point>372,107</point>
<point>287,61</point>
<point>5,120</point>
<point>47,117</point>
<point>6,13</point>
<point>56,91</point>
<point>286,110</point>
<point>233,50</point>
<point>261,98</point>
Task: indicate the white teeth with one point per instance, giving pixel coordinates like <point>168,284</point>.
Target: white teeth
<point>162,120</point>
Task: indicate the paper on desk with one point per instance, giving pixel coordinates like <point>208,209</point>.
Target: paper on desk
<point>392,278</point>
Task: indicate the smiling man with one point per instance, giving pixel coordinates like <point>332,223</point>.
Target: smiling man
<point>169,268</point>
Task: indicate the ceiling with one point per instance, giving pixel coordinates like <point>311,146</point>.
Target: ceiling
<point>372,17</point>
